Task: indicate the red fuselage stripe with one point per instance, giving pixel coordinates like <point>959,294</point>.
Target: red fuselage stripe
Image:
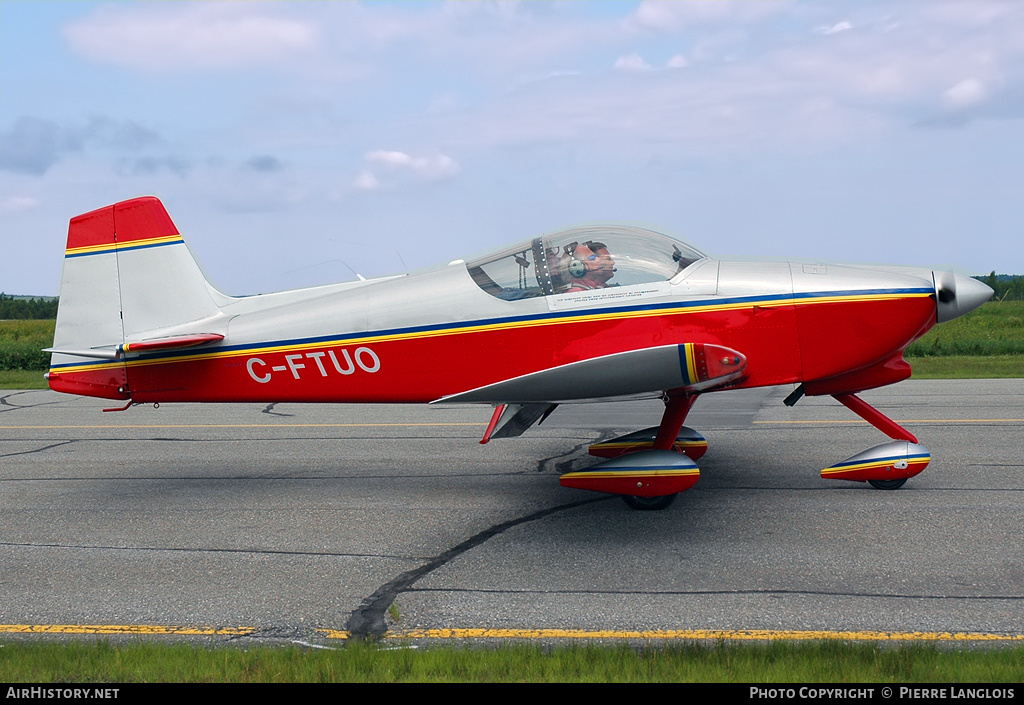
<point>422,369</point>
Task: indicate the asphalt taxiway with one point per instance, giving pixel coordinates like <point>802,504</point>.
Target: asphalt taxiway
<point>316,522</point>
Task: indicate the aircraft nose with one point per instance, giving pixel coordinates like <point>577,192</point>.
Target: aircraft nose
<point>956,295</point>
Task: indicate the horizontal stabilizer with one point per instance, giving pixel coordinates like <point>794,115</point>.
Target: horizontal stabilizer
<point>687,367</point>
<point>178,341</point>
<point>150,345</point>
<point>108,353</point>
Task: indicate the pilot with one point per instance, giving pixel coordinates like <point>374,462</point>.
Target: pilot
<point>591,266</point>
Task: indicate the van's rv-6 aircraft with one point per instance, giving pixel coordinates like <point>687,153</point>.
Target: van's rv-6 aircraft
<point>589,313</point>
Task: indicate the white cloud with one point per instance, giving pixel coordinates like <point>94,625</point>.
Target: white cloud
<point>18,204</point>
<point>389,157</point>
<point>670,16</point>
<point>835,28</point>
<point>366,181</point>
<point>460,74</point>
<point>632,62</point>
<point>173,36</point>
<point>678,62</point>
<point>436,166</point>
<point>965,94</point>
<point>389,168</point>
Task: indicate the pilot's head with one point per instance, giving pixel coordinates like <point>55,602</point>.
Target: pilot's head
<point>599,262</point>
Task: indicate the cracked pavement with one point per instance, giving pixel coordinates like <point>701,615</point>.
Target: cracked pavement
<point>290,519</point>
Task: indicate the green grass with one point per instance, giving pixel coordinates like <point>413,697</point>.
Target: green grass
<point>775,662</point>
<point>22,379</point>
<point>22,343</point>
<point>968,367</point>
<point>985,343</point>
<point>997,328</point>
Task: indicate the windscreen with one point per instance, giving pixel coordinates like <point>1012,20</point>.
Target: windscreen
<point>580,259</point>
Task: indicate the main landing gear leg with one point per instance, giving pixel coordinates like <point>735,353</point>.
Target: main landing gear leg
<point>884,467</point>
<point>676,409</point>
<point>875,417</point>
<point>647,468</point>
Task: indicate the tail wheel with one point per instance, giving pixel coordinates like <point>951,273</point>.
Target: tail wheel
<point>653,504</point>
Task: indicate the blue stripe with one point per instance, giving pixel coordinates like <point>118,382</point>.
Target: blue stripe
<point>908,458</point>
<point>123,248</point>
<point>683,367</point>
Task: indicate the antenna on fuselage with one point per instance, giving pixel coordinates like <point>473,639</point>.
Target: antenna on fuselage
<point>336,259</point>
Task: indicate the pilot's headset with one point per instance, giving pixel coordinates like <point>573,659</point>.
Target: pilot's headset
<point>577,268</point>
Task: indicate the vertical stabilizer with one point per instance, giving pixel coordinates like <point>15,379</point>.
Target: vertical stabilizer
<point>126,271</point>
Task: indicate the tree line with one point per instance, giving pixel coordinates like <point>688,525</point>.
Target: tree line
<point>24,309</point>
<point>1007,287</point>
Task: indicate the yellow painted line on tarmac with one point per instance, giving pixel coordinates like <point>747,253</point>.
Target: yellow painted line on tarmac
<point>660,634</point>
<point>685,634</point>
<point>256,425</point>
<point>127,629</point>
<point>334,633</point>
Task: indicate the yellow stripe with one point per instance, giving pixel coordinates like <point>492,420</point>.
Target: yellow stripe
<point>113,246</point>
<point>873,464</point>
<point>484,328</point>
<point>633,474</point>
<point>57,371</point>
<point>691,364</point>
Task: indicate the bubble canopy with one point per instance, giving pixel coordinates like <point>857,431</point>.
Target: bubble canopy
<point>579,259</point>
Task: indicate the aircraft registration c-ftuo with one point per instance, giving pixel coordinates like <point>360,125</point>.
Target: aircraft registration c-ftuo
<point>596,312</point>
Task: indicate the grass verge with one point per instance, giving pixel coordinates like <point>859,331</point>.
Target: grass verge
<point>996,328</point>
<point>22,379</point>
<point>775,662</point>
<point>967,367</point>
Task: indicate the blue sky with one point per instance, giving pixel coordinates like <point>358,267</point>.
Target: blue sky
<point>297,143</point>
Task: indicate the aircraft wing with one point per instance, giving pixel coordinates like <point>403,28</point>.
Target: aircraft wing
<point>691,367</point>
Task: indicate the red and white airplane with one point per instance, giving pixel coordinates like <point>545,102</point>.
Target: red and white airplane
<point>589,313</point>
